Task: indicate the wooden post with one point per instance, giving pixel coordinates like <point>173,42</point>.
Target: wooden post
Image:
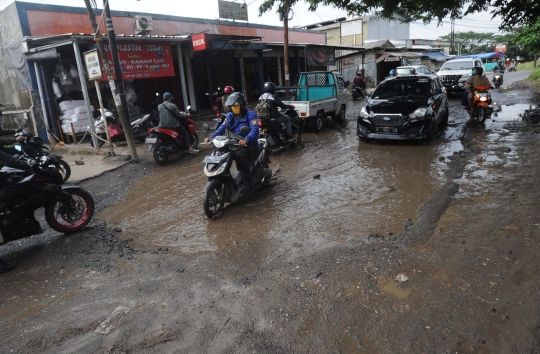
<point>105,123</point>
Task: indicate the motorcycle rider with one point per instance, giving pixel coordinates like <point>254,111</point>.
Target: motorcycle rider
<point>359,81</point>
<point>477,79</point>
<point>227,91</point>
<point>171,118</point>
<point>240,117</point>
<point>275,102</point>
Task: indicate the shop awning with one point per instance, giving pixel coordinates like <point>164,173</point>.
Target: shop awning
<point>437,56</point>
<point>409,55</point>
<point>482,55</point>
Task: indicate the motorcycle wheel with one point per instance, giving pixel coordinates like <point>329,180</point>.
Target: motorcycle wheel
<point>100,142</point>
<point>482,114</point>
<point>298,140</point>
<point>60,219</point>
<point>65,170</point>
<point>195,141</point>
<point>160,157</point>
<point>213,203</point>
<point>497,85</point>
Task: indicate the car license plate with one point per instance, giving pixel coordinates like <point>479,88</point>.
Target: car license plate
<point>387,130</point>
<point>212,159</point>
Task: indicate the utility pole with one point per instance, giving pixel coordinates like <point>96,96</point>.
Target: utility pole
<point>117,99</point>
<point>452,35</point>
<point>120,99</point>
<point>285,14</point>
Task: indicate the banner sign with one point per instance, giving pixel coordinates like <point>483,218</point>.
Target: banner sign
<point>200,42</point>
<point>320,56</point>
<point>232,10</point>
<point>93,65</point>
<point>392,58</point>
<point>142,60</point>
<point>501,48</point>
<point>351,28</point>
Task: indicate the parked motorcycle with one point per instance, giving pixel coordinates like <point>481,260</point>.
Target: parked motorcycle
<point>223,187</point>
<point>34,148</point>
<point>358,93</point>
<point>139,127</point>
<point>497,79</point>
<point>274,132</point>
<point>214,100</point>
<point>482,108</point>
<point>165,144</point>
<point>67,208</point>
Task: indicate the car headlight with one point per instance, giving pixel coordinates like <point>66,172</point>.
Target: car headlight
<point>364,113</point>
<point>219,143</point>
<point>465,76</point>
<point>418,114</point>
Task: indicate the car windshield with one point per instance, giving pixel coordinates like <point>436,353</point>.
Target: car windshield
<point>404,71</point>
<point>457,65</point>
<point>399,88</point>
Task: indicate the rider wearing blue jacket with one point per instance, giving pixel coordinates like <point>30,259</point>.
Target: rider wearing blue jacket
<point>240,117</point>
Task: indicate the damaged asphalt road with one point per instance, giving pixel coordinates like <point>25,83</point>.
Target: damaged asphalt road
<point>410,247</point>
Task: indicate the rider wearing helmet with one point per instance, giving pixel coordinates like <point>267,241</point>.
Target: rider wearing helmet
<point>240,117</point>
<point>227,91</point>
<point>393,73</point>
<point>477,79</point>
<point>275,102</point>
<point>171,118</point>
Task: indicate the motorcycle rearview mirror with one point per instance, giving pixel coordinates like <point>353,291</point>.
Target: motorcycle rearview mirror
<point>188,109</point>
<point>244,131</point>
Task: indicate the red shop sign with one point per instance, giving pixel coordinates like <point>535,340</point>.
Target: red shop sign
<point>140,60</point>
<point>200,42</point>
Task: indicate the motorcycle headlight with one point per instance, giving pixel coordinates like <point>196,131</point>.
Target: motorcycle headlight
<point>216,172</point>
<point>483,98</point>
<point>497,76</point>
<point>364,113</point>
<point>419,113</point>
<point>219,143</point>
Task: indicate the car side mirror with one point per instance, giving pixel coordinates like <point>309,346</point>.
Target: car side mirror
<point>437,70</point>
<point>244,131</point>
<point>437,91</point>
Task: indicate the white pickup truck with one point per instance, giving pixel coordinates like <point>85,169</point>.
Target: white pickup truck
<point>321,97</point>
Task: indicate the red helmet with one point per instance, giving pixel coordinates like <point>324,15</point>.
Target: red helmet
<point>228,90</point>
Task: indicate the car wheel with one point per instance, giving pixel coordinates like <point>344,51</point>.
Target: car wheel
<point>446,115</point>
<point>319,122</point>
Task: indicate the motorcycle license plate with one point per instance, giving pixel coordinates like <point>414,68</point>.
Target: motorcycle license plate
<point>387,130</point>
<point>212,159</point>
<point>150,140</point>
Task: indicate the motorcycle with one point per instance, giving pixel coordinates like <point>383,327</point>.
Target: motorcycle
<point>165,144</point>
<point>222,186</point>
<point>497,79</point>
<point>214,100</point>
<point>482,108</point>
<point>219,120</point>
<point>275,135</point>
<point>67,208</point>
<point>139,127</point>
<point>34,148</point>
<point>358,93</point>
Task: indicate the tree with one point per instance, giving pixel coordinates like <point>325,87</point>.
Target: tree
<point>529,38</point>
<point>513,13</point>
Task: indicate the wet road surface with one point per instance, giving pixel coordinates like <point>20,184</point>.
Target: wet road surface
<point>308,265</point>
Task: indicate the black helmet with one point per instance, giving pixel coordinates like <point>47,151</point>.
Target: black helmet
<point>269,87</point>
<point>236,99</point>
<point>359,74</point>
<point>479,70</point>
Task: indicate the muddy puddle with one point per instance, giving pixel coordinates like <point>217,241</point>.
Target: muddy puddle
<point>363,188</point>
<point>509,113</point>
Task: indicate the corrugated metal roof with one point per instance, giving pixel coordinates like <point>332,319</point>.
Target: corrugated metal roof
<point>336,46</point>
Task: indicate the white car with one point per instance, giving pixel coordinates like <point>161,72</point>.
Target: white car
<point>408,70</point>
<point>454,73</point>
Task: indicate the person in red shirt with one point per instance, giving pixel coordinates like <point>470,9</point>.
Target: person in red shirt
<point>359,81</point>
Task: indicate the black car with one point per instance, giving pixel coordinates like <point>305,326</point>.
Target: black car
<point>404,108</point>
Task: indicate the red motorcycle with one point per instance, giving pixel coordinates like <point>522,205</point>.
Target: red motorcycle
<point>167,142</point>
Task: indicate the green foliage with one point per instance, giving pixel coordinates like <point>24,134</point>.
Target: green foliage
<point>529,38</point>
<point>526,66</point>
<point>513,13</point>
<point>534,76</point>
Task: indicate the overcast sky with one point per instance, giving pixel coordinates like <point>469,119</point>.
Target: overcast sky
<point>209,9</point>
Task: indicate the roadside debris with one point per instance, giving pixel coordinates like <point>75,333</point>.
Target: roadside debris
<point>113,320</point>
<point>79,162</point>
<point>317,176</point>
<point>402,278</point>
<point>531,115</point>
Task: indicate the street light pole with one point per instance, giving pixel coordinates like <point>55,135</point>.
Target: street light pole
<point>126,126</point>
<point>285,10</point>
